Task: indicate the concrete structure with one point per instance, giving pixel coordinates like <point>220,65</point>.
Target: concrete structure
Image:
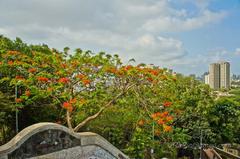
<point>235,83</point>
<point>206,79</point>
<point>53,141</point>
<point>214,76</point>
<point>219,75</point>
<point>225,75</point>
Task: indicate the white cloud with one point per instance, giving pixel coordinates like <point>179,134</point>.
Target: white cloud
<point>176,24</point>
<point>158,50</point>
<point>134,29</point>
<point>3,31</point>
<point>237,51</point>
<point>214,55</point>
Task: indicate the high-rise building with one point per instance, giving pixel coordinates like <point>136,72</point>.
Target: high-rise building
<point>225,75</point>
<point>219,75</point>
<point>214,76</point>
<point>206,78</point>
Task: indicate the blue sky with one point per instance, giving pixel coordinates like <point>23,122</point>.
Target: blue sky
<point>185,35</point>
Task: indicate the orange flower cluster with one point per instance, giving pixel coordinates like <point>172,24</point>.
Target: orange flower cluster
<point>167,128</point>
<point>141,122</point>
<point>10,62</point>
<point>19,77</point>
<point>27,93</point>
<point>32,70</point>
<point>167,104</point>
<point>112,70</point>
<point>64,65</point>
<point>161,121</point>
<point>64,80</point>
<point>80,76</point>
<point>42,79</point>
<point>86,81</point>
<point>140,71</point>
<point>154,72</point>
<point>169,118</point>
<point>19,62</point>
<point>18,100</point>
<point>157,115</point>
<point>73,101</point>
<point>58,73</point>
<point>162,118</point>
<point>128,67</point>
<point>1,63</point>
<point>74,63</point>
<point>13,52</point>
<point>150,79</point>
<point>69,104</point>
<point>119,71</point>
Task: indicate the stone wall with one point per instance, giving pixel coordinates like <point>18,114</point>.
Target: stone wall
<point>53,141</point>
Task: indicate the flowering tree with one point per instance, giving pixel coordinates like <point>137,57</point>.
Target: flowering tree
<point>138,107</point>
<point>83,84</point>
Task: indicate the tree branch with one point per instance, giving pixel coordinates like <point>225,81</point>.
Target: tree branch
<point>69,123</point>
<point>88,119</point>
<point>143,102</point>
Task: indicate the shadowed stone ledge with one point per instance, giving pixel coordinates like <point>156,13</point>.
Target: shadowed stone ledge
<point>50,140</point>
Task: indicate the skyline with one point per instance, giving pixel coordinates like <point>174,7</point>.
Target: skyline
<point>185,36</point>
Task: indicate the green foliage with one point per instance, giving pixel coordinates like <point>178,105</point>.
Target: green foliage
<point>7,121</point>
<point>224,120</point>
<point>235,95</point>
<point>140,145</point>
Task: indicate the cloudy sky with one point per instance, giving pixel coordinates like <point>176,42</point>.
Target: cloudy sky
<point>185,35</point>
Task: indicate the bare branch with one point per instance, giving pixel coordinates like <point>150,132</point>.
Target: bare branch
<point>88,119</point>
<point>69,123</point>
<point>143,102</point>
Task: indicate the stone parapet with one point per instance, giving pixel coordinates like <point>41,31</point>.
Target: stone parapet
<point>50,140</point>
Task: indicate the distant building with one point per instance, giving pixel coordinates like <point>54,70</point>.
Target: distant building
<point>219,75</point>
<point>199,78</point>
<point>225,75</point>
<point>235,77</point>
<point>206,78</point>
<point>235,81</point>
<point>214,76</point>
